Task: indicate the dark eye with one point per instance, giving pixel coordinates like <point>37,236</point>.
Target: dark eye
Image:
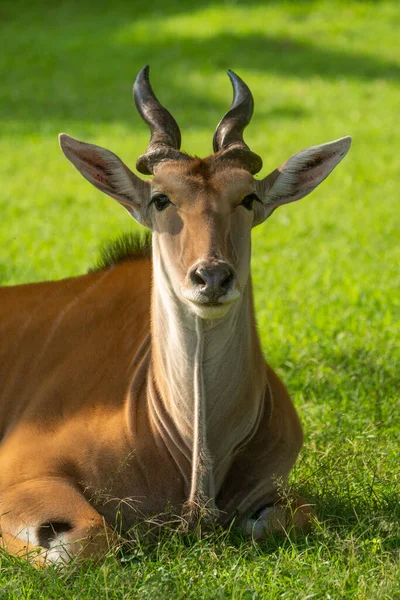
<point>161,202</point>
<point>247,202</point>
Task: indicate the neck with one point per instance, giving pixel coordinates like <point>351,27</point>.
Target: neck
<point>210,377</point>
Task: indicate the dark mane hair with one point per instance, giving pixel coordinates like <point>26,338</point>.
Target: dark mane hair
<point>129,246</point>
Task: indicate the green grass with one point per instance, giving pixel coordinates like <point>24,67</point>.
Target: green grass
<point>326,269</point>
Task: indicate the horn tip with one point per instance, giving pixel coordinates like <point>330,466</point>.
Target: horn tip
<point>143,73</point>
<point>237,82</point>
<point>232,75</point>
<point>142,81</point>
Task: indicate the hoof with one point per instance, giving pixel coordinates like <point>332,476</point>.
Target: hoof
<point>290,517</point>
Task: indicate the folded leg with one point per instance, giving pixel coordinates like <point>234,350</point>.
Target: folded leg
<point>49,521</point>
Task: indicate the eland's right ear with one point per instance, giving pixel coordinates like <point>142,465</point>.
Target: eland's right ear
<point>109,174</point>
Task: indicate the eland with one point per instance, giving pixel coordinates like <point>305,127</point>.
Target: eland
<point>140,389</point>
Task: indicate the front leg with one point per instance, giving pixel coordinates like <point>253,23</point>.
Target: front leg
<point>254,483</point>
<point>49,521</point>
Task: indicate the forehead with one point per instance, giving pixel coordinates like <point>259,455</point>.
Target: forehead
<point>199,176</point>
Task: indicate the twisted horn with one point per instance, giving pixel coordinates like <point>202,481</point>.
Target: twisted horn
<point>228,135</point>
<point>165,140</point>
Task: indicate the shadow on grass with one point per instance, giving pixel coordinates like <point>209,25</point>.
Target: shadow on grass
<point>69,63</point>
<point>339,524</point>
<point>365,518</point>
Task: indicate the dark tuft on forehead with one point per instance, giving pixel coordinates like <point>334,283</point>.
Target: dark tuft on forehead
<point>207,167</point>
<point>200,166</point>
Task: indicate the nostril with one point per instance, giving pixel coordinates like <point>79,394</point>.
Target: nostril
<point>227,281</point>
<point>197,279</point>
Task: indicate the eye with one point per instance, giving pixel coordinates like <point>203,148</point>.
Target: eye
<point>247,202</point>
<point>161,202</point>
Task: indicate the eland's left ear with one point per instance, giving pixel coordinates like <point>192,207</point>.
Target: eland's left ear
<point>109,174</point>
<point>300,174</point>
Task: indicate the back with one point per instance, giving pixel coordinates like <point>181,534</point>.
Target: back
<point>67,345</point>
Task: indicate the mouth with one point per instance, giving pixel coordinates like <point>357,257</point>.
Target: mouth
<point>210,309</point>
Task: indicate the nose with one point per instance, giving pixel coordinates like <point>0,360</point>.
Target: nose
<point>213,279</point>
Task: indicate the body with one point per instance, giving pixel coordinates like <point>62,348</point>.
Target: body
<point>80,405</point>
<point>140,391</point>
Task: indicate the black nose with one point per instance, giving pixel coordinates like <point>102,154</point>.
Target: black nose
<point>212,278</point>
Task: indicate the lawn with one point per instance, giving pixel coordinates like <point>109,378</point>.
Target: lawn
<point>326,269</point>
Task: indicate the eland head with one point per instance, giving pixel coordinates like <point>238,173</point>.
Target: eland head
<point>201,211</point>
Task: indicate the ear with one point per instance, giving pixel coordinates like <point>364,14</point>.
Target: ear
<point>300,174</point>
<point>109,174</point>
